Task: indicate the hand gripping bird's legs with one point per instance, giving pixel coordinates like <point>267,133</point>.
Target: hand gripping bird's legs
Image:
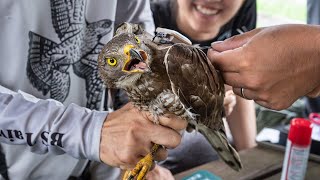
<point>143,166</point>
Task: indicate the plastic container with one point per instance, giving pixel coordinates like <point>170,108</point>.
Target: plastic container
<point>315,119</point>
<point>297,149</point>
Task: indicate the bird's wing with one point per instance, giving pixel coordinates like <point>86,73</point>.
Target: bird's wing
<point>199,86</point>
<point>66,13</point>
<point>196,82</point>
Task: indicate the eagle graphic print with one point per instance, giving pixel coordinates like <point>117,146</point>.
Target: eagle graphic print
<point>79,46</point>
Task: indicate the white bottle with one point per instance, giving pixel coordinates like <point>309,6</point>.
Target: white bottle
<point>297,150</point>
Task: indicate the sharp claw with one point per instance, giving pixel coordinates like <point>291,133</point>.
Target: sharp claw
<point>143,172</point>
<point>126,175</point>
<point>141,169</point>
<point>134,172</point>
<point>143,166</point>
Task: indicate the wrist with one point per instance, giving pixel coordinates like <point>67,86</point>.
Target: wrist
<point>95,132</point>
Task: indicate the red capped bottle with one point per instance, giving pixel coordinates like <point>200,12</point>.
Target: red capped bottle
<point>297,150</point>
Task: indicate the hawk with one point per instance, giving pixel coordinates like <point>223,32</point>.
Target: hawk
<point>161,75</point>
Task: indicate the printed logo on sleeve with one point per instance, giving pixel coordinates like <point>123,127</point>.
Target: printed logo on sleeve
<point>46,138</point>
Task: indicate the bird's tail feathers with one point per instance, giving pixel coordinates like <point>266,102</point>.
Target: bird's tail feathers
<point>219,142</point>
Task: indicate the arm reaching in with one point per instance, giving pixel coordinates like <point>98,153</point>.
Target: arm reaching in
<point>47,126</point>
<point>242,124</point>
<point>118,139</point>
<point>241,118</point>
<point>275,66</point>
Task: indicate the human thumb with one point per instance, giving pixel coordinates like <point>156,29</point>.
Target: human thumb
<point>234,42</point>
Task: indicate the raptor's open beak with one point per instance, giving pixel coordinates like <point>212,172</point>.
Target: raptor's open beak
<point>136,60</point>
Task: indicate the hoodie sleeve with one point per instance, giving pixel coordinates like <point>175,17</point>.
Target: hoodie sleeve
<point>47,126</point>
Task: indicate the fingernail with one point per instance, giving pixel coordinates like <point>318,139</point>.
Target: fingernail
<point>216,42</point>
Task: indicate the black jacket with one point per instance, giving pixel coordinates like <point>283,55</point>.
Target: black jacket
<point>245,20</point>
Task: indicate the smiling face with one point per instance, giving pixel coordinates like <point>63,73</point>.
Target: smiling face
<point>202,19</point>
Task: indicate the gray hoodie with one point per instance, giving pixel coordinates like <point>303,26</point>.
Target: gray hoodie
<point>48,75</point>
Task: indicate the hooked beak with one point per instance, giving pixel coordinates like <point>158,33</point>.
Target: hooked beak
<point>136,60</point>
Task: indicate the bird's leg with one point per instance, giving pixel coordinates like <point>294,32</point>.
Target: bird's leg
<point>142,167</point>
<point>165,101</point>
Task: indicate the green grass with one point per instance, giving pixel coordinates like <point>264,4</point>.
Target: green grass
<point>291,9</point>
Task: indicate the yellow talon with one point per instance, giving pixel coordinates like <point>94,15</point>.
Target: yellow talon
<point>142,167</point>
<point>143,172</point>
<point>126,174</point>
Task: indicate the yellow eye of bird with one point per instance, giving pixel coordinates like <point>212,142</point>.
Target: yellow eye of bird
<point>137,40</point>
<point>112,61</point>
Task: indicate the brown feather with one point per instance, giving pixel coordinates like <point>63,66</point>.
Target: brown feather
<point>197,83</point>
<point>181,81</point>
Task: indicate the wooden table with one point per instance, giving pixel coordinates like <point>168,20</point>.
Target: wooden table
<point>262,162</point>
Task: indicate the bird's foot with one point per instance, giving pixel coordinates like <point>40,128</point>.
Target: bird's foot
<point>141,169</point>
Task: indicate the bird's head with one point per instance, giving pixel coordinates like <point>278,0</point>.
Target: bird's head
<point>123,60</point>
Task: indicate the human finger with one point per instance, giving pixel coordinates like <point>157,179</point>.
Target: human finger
<point>229,99</point>
<point>164,136</point>
<point>234,79</point>
<point>234,42</point>
<point>129,160</point>
<point>159,173</point>
<point>173,122</point>
<point>229,44</point>
<point>264,99</point>
<point>227,61</point>
<point>169,120</point>
<point>272,106</point>
<point>276,103</point>
<point>161,154</point>
<point>246,93</point>
<point>314,93</point>
<point>229,102</point>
